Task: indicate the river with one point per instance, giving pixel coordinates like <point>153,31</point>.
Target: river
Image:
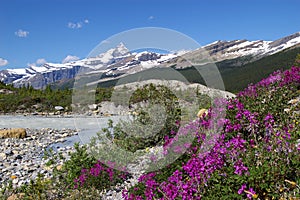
<point>87,126</point>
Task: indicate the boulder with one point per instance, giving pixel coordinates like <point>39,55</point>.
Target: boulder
<point>59,108</point>
<point>59,167</point>
<point>16,196</point>
<point>93,107</point>
<point>13,197</point>
<point>6,91</point>
<point>13,133</point>
<point>201,112</point>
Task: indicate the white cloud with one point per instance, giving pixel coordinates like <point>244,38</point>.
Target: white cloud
<point>71,25</point>
<point>151,17</point>
<point>77,25</point>
<point>3,62</point>
<point>21,33</point>
<point>38,62</point>
<point>69,58</point>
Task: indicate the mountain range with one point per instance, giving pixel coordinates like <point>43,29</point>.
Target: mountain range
<point>119,61</point>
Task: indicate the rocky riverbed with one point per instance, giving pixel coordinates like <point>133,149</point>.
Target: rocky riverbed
<point>22,159</point>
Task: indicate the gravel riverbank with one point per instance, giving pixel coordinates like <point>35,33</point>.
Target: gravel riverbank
<point>21,159</point>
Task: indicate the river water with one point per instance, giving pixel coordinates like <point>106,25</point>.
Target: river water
<point>87,126</point>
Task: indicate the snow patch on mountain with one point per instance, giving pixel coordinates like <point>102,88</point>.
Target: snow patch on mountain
<point>17,71</point>
<point>120,61</point>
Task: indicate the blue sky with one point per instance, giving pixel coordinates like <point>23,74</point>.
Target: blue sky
<point>38,31</point>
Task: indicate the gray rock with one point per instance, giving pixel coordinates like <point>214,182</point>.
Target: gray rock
<point>59,108</point>
<point>23,157</point>
<point>15,181</point>
<point>8,152</point>
<point>18,157</point>
<point>93,107</point>
<point>6,91</point>
<point>2,156</point>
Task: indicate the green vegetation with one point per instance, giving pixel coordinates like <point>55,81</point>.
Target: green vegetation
<point>260,69</point>
<point>103,94</point>
<point>255,155</point>
<point>28,99</point>
<point>150,95</point>
<point>77,176</point>
<point>62,185</point>
<point>158,118</point>
<point>297,60</point>
<point>238,73</point>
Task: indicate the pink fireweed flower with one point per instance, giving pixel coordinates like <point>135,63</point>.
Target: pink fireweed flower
<point>171,191</point>
<point>251,193</point>
<point>252,143</point>
<point>228,128</point>
<point>269,148</point>
<point>286,133</point>
<point>240,106</point>
<point>237,143</point>
<point>247,113</point>
<point>239,116</point>
<point>241,190</point>
<point>230,107</point>
<point>269,118</point>
<point>240,168</point>
<point>251,91</point>
<point>237,127</point>
<point>95,172</point>
<point>145,177</point>
<point>82,178</point>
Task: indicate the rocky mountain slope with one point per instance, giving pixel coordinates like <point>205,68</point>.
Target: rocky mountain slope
<point>120,61</point>
<point>247,51</point>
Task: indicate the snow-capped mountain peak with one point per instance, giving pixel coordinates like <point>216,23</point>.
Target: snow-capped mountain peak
<point>119,61</point>
<point>114,61</point>
<point>284,43</point>
<point>119,51</point>
<point>221,50</point>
